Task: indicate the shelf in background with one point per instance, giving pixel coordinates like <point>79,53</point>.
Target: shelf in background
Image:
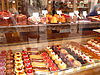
<point>63,24</point>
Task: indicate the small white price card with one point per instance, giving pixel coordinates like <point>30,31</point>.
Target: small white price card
<point>84,13</point>
<point>98,12</point>
<point>59,12</point>
<point>71,14</point>
<point>76,12</point>
<point>36,14</point>
<point>5,17</point>
<point>44,12</point>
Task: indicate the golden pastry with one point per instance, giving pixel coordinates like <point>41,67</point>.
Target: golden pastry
<point>55,57</point>
<point>18,57</point>
<point>62,66</point>
<point>35,57</point>
<point>18,61</point>
<point>19,70</point>
<point>21,73</point>
<point>19,65</point>
<point>18,54</point>
<point>58,61</point>
<point>39,64</point>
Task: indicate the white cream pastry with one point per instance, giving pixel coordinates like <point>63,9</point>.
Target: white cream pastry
<point>77,63</point>
<point>93,44</point>
<point>89,42</point>
<point>97,45</point>
<point>91,61</point>
<point>48,47</point>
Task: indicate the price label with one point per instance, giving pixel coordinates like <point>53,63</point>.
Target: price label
<point>71,14</point>
<point>59,12</point>
<point>5,17</point>
<point>36,14</point>
<point>76,12</point>
<point>98,12</point>
<point>84,13</point>
<point>44,12</point>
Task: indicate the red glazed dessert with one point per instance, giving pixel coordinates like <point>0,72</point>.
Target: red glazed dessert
<point>25,56</point>
<point>24,52</point>
<point>28,67</point>
<point>30,72</point>
<point>27,62</point>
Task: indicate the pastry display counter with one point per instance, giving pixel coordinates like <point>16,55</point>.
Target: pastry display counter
<point>49,49</point>
<point>47,44</point>
<point>66,57</point>
<point>56,41</point>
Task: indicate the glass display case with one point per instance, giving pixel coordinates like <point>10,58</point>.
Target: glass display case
<point>47,51</point>
<point>46,44</point>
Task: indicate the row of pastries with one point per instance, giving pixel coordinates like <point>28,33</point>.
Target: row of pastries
<point>9,19</point>
<point>53,58</point>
